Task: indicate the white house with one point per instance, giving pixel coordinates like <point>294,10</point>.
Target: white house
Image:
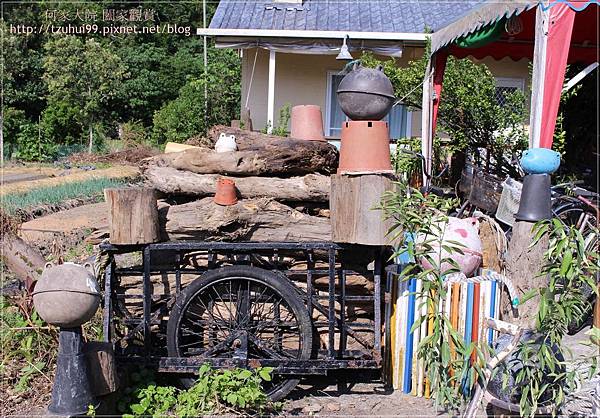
<point>289,50</point>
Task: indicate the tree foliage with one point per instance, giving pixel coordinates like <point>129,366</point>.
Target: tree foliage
<point>61,87</point>
<point>188,115</point>
<point>469,110</point>
<point>84,74</point>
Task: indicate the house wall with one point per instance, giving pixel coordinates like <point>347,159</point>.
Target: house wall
<point>302,79</point>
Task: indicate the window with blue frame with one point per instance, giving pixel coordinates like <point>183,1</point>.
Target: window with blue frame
<point>398,118</point>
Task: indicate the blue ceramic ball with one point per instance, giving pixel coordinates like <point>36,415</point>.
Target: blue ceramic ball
<point>540,161</point>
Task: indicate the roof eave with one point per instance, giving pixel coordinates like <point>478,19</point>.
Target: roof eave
<point>488,12</point>
<point>316,34</point>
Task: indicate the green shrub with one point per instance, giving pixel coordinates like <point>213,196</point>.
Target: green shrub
<point>284,119</point>
<point>187,116</point>
<point>33,145</point>
<point>183,117</point>
<point>133,132</point>
<point>215,391</point>
<point>13,120</point>
<point>62,122</point>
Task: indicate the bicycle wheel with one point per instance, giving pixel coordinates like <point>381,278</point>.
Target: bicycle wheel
<point>581,217</point>
<point>241,311</point>
<point>584,219</point>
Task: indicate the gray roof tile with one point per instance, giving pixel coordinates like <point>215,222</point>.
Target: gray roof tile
<point>411,16</point>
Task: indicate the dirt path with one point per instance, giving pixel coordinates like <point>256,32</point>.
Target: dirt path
<point>363,399</point>
<point>18,186</point>
<point>65,229</point>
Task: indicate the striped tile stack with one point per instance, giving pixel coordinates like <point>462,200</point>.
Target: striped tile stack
<point>467,304</point>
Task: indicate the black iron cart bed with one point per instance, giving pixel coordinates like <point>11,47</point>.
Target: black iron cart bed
<point>246,305</point>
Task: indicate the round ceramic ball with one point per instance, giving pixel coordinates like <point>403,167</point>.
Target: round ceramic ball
<point>67,295</point>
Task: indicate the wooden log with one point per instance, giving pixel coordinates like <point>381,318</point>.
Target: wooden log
<point>285,159</point>
<point>353,203</point>
<point>309,188</point>
<point>133,216</point>
<point>102,368</point>
<point>177,147</point>
<point>248,220</point>
<point>23,260</point>
<point>523,265</point>
<point>249,140</point>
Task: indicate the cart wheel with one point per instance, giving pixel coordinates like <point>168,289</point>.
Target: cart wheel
<point>241,312</point>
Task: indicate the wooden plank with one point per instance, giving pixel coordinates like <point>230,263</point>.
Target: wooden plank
<point>354,215</point>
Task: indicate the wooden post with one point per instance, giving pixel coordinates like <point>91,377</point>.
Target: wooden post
<point>523,265</point>
<point>133,216</point>
<point>102,369</point>
<point>353,201</point>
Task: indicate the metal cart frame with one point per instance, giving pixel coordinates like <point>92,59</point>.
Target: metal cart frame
<point>154,305</point>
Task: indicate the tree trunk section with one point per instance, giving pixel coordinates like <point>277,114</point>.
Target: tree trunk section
<point>523,266</point>
<point>309,188</point>
<point>23,260</point>
<point>355,217</point>
<point>133,216</point>
<point>91,140</point>
<point>248,220</point>
<point>282,160</point>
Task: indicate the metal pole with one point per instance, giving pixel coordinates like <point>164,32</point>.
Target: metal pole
<point>538,75</point>
<point>271,93</point>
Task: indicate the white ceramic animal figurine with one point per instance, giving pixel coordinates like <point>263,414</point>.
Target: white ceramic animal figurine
<point>225,143</point>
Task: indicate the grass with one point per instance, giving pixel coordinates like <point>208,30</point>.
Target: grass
<point>50,195</point>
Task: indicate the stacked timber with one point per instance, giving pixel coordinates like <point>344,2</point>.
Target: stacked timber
<point>282,183</point>
<point>283,194</point>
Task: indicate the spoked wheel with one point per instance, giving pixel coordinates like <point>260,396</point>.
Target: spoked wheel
<point>584,219</point>
<point>241,312</point>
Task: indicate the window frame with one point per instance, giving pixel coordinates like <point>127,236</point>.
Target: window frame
<point>330,74</point>
<point>509,82</point>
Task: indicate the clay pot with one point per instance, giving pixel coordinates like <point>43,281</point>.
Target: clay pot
<point>365,147</point>
<point>307,123</point>
<point>226,194</point>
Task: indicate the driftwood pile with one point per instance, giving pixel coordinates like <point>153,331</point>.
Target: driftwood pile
<point>283,187</point>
